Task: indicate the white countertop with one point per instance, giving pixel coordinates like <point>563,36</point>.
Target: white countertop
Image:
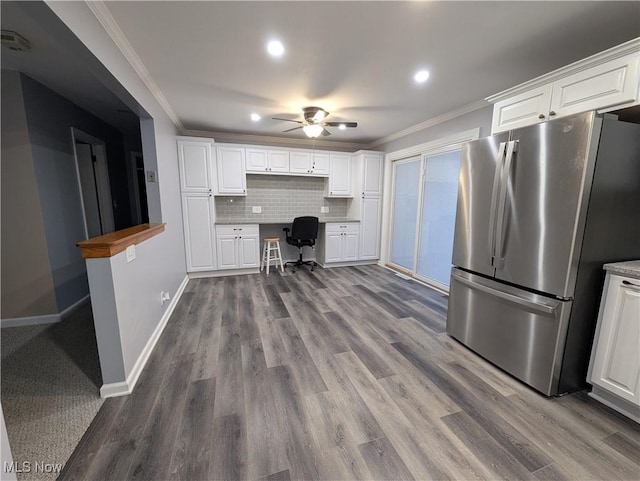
<point>279,221</point>
<point>628,268</point>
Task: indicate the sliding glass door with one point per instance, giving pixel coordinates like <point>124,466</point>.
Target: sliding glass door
<point>406,193</point>
<point>424,210</point>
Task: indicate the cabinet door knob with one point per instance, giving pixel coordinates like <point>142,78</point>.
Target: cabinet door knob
<point>541,116</point>
<point>552,113</point>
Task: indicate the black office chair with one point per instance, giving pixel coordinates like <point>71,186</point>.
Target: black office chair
<point>304,232</point>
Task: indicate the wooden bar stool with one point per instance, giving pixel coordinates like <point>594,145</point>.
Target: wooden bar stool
<point>271,252</point>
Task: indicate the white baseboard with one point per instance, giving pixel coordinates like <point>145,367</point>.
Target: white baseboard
<point>223,273</point>
<point>123,388</point>
<point>115,389</point>
<point>46,319</point>
<point>623,406</point>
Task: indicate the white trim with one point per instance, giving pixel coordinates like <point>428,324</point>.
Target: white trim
<point>102,13</point>
<point>632,46</point>
<point>304,143</point>
<point>472,107</point>
<point>115,389</point>
<point>123,388</point>
<point>437,146</point>
<point>45,319</point>
<point>30,321</point>
<point>365,262</point>
<point>414,279</point>
<point>223,273</point>
<point>614,402</point>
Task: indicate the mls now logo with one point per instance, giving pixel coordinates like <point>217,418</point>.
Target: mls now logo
<point>29,467</point>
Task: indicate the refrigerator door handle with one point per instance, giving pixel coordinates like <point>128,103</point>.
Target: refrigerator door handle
<point>504,183</point>
<point>494,199</point>
<point>527,304</point>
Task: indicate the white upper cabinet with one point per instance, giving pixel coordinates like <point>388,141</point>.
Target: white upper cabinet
<point>194,158</point>
<point>521,110</point>
<point>312,163</point>
<point>300,162</point>
<point>265,161</point>
<point>601,82</point>
<point>230,169</point>
<point>372,174</point>
<point>320,164</point>
<point>339,184</point>
<point>612,83</point>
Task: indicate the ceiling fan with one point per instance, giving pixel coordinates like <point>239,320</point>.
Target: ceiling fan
<point>314,125</point>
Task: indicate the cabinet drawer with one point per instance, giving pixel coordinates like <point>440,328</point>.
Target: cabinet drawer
<point>245,229</point>
<point>350,227</point>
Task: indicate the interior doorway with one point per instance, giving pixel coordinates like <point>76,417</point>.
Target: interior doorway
<point>141,210</point>
<point>93,181</point>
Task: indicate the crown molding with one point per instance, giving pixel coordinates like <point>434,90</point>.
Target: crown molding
<point>444,144</point>
<point>430,123</point>
<point>102,13</point>
<point>232,137</point>
<point>622,50</point>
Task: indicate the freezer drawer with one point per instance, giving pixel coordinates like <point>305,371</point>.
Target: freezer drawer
<point>520,332</point>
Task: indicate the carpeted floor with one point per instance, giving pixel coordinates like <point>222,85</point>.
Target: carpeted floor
<point>50,389</point>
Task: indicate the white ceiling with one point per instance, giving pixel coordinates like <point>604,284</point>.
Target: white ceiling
<point>356,59</point>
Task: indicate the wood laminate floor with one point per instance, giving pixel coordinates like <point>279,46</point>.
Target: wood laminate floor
<point>339,374</point>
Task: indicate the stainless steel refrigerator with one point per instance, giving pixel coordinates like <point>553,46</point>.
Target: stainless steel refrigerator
<point>540,210</point>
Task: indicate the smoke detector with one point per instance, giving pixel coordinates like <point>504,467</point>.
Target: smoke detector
<point>15,41</point>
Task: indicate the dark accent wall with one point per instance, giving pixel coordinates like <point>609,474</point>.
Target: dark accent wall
<point>50,118</point>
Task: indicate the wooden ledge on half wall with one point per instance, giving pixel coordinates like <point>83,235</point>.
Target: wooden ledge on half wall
<point>109,245</point>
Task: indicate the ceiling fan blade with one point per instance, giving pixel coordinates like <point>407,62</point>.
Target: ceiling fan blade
<point>325,132</point>
<point>338,124</point>
<point>287,120</point>
<point>295,128</point>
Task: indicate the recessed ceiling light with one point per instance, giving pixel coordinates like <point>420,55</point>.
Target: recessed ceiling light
<point>342,126</point>
<point>421,76</point>
<point>275,48</point>
<point>255,117</point>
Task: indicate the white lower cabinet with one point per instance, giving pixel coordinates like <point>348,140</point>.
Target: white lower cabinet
<point>370,217</point>
<point>615,358</point>
<point>197,214</point>
<point>238,246</point>
<point>341,242</point>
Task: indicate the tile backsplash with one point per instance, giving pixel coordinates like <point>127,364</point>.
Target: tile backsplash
<point>281,197</point>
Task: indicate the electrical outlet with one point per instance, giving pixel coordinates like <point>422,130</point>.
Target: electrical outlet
<point>324,210</point>
<point>256,209</point>
<point>131,253</point>
<point>151,176</point>
<point>164,297</point>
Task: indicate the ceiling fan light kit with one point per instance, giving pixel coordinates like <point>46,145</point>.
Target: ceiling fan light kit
<point>314,125</point>
<point>313,130</point>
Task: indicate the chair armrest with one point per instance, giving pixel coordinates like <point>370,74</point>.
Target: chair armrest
<point>286,229</point>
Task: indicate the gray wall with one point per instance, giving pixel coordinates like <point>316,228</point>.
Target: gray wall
<point>478,118</point>
<point>27,283</point>
<point>281,198</point>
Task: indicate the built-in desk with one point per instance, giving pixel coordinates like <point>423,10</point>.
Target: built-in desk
<point>279,221</point>
<point>337,243</point>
